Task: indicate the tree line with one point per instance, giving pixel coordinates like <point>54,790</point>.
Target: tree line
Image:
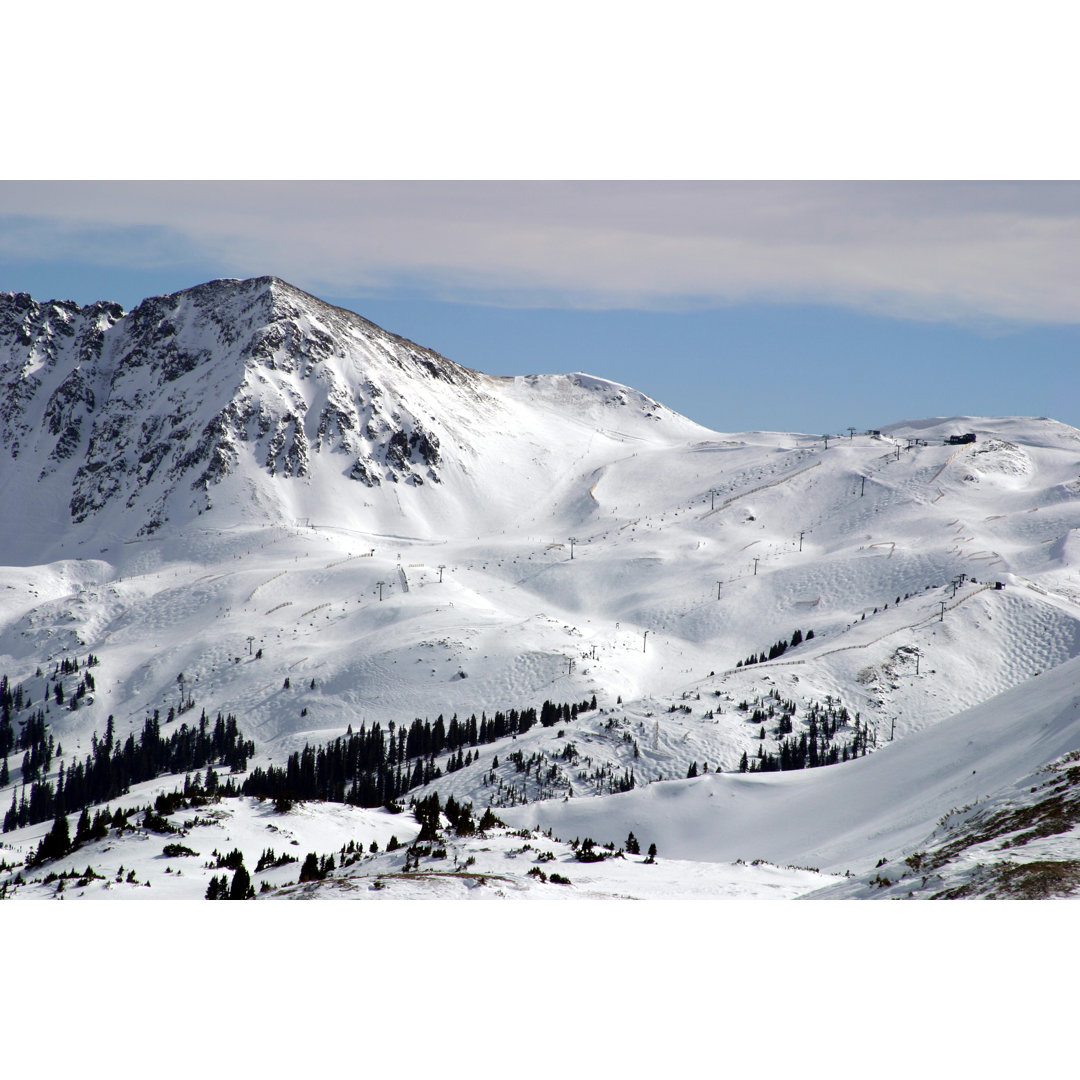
<point>373,767</point>
<point>814,748</point>
<point>777,649</point>
<point>112,767</point>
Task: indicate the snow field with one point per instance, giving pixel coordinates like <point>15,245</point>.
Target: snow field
<point>634,614</point>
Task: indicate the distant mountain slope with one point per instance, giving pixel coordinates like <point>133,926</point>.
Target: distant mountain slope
<point>138,418</point>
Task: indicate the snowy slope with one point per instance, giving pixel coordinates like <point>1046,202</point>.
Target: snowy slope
<point>136,865</point>
<point>240,467</point>
<point>218,394</point>
<point>847,816</point>
<point>513,610</point>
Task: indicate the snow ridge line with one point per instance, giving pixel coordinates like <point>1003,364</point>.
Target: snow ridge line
<point>910,626</point>
<point>404,580</point>
<point>865,644</point>
<point>266,582</point>
<point>761,487</point>
<point>1050,595</point>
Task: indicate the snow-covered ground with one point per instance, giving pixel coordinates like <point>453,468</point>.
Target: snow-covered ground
<point>495,865</point>
<point>581,541</point>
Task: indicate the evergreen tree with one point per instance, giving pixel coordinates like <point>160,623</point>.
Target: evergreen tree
<point>82,830</point>
<point>57,842</point>
<point>242,888</point>
<point>632,845</point>
<point>427,814</point>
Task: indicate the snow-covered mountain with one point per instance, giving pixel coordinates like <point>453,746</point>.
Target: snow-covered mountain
<point>134,421</point>
<point>319,524</point>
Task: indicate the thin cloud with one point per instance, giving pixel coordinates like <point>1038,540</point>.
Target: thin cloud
<point>938,251</point>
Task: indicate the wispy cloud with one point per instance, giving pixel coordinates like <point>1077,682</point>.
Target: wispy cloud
<point>939,251</point>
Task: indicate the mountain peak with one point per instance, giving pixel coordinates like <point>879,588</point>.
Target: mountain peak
<point>254,381</point>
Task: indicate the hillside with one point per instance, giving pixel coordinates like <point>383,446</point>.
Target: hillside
<point>247,487</point>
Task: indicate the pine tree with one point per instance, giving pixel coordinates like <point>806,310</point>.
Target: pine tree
<point>57,842</point>
<point>82,830</point>
<point>632,845</point>
<point>427,814</point>
<point>241,885</point>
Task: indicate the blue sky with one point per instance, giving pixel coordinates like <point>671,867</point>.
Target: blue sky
<point>786,306</point>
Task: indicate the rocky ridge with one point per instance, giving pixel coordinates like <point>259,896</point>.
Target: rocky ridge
<point>150,410</point>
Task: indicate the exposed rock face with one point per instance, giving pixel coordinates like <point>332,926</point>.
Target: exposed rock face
<point>167,397</point>
<point>49,356</point>
<point>260,397</point>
